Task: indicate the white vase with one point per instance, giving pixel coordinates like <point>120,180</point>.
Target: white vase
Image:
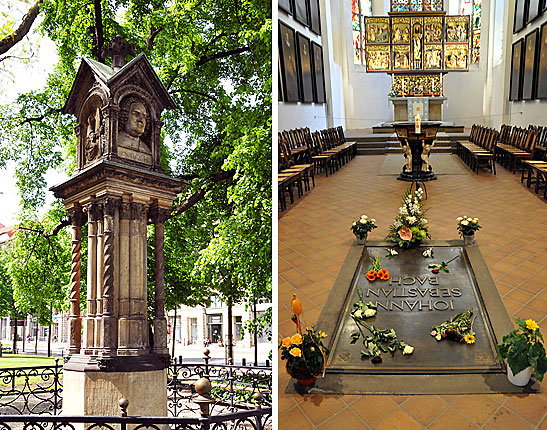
<point>361,241</point>
<point>468,239</point>
<point>521,378</point>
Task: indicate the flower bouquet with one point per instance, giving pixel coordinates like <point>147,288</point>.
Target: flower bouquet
<point>523,350</point>
<point>304,351</point>
<point>410,225</point>
<point>467,226</point>
<point>459,328</point>
<point>377,272</point>
<point>363,226</point>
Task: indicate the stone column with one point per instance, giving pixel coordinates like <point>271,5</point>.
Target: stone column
<point>99,286</point>
<point>160,322</point>
<point>138,330</point>
<point>89,322</point>
<point>124,270</point>
<point>75,322</point>
<point>108,332</point>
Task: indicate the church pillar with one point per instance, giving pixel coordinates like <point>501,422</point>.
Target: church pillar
<point>160,322</point>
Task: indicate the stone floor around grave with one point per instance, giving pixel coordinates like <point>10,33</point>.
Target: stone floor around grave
<point>314,237</point>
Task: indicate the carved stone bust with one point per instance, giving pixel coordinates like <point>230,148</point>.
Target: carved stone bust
<point>134,134</point>
<point>92,140</point>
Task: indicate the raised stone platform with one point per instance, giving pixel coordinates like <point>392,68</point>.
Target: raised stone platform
<point>412,302</point>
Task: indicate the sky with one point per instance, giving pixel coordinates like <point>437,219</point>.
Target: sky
<point>27,78</point>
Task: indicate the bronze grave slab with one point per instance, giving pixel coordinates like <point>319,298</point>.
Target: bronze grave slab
<point>412,302</point>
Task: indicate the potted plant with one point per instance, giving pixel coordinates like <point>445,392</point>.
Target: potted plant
<point>304,351</point>
<point>524,351</point>
<point>467,228</point>
<point>362,227</point>
<point>410,226</point>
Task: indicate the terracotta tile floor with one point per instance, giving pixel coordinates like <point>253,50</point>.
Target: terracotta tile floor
<point>314,238</point>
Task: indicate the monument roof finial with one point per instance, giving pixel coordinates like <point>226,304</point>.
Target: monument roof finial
<point>118,49</point>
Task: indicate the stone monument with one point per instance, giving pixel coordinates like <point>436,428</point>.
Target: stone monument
<point>118,189</point>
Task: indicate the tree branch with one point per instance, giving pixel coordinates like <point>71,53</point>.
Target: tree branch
<point>199,93</point>
<point>199,194</point>
<point>11,40</point>
<point>64,223</point>
<point>219,55</point>
<point>40,117</point>
<point>7,57</point>
<point>152,35</point>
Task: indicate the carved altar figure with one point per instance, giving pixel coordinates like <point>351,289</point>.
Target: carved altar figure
<point>426,149</point>
<point>408,156</point>
<point>92,142</point>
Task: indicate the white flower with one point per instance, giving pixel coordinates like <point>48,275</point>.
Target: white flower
<point>424,221</point>
<point>465,216</point>
<point>393,252</point>
<point>465,222</point>
<point>411,219</point>
<point>358,313</point>
<point>433,333</point>
<point>459,218</point>
<point>364,216</point>
<point>403,211</point>
<point>397,224</point>
<point>370,313</point>
<point>476,220</point>
<point>372,220</point>
<point>438,337</point>
<point>354,223</point>
<point>408,350</point>
<point>428,253</point>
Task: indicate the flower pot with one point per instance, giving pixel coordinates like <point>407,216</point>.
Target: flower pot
<point>468,239</point>
<point>302,375</point>
<point>521,378</point>
<point>361,240</point>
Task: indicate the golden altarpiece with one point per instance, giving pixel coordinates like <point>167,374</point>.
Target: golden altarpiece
<point>416,44</point>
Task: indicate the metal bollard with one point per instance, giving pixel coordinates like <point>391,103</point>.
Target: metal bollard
<point>244,362</point>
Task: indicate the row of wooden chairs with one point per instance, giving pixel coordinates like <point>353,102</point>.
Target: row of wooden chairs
<point>481,148</point>
<point>516,145</point>
<point>303,153</point>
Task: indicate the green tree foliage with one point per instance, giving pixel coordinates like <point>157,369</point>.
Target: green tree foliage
<point>214,58</point>
<point>39,267</point>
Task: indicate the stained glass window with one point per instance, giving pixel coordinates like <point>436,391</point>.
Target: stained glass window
<point>359,9</point>
<point>473,8</point>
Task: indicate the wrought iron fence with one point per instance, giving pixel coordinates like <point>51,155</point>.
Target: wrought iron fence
<point>31,390</point>
<point>38,390</point>
<point>257,419</point>
<point>233,387</point>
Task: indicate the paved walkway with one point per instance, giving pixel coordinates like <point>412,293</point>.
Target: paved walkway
<point>314,237</point>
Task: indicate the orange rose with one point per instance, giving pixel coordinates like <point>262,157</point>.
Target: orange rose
<point>296,339</point>
<point>371,275</point>
<point>295,352</point>
<point>286,342</point>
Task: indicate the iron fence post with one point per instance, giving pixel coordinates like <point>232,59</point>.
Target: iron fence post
<point>124,403</point>
<point>258,399</point>
<point>203,399</point>
<point>56,386</point>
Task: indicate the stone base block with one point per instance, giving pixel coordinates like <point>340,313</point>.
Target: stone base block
<point>98,393</point>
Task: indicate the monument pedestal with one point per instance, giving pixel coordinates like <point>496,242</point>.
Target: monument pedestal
<point>400,108</point>
<point>99,393</point>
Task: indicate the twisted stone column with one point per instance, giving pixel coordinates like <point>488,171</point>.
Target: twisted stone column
<point>108,333</point>
<point>75,323</point>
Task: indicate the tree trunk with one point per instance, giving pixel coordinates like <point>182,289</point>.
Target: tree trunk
<point>36,340</point>
<point>255,334</point>
<point>24,331</point>
<point>14,347</point>
<point>230,334</point>
<point>49,340</point>
<point>173,334</point>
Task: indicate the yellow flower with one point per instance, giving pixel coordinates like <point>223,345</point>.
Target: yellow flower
<point>286,342</point>
<point>469,338</point>
<point>322,334</point>
<point>295,352</point>
<point>296,306</point>
<point>532,325</point>
<point>312,349</point>
<point>296,339</point>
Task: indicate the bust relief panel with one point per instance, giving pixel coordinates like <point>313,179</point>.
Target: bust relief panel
<point>134,130</point>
